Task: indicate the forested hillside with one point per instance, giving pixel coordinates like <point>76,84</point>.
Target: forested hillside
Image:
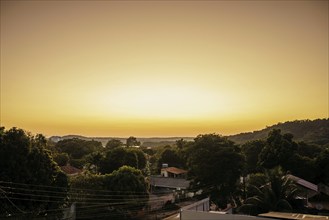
<point>309,131</point>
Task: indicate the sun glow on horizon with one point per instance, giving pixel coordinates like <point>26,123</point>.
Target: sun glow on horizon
<point>155,68</point>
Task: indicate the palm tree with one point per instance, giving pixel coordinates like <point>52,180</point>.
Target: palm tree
<point>273,196</point>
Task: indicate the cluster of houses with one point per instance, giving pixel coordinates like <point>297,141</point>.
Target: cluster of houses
<point>171,185</point>
<point>313,197</point>
<point>167,187</point>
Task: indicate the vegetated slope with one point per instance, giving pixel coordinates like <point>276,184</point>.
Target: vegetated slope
<point>310,131</point>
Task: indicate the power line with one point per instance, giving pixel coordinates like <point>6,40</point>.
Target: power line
<point>89,197</point>
<point>5,196</point>
<point>87,200</point>
<point>55,187</point>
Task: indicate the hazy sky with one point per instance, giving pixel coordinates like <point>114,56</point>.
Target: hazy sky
<point>162,68</point>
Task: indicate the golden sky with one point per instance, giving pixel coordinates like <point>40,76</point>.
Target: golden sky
<point>162,68</point>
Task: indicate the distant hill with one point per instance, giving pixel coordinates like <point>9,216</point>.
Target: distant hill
<point>310,131</point>
<point>147,142</point>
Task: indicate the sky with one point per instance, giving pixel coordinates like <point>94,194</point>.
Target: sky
<point>162,68</point>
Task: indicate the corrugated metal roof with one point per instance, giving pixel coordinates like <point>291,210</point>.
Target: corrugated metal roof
<point>283,215</point>
<point>174,170</point>
<point>303,182</point>
<point>168,182</point>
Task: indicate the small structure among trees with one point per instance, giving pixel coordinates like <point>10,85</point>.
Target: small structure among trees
<point>173,172</point>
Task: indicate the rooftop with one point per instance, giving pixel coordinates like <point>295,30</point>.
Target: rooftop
<point>282,215</point>
<point>303,182</point>
<point>168,182</point>
<point>174,170</point>
<point>70,170</point>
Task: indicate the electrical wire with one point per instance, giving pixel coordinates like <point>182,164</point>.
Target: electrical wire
<point>85,197</point>
<point>55,187</point>
<point>87,200</point>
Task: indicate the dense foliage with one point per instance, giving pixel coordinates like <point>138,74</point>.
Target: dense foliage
<point>307,161</point>
<point>120,156</point>
<point>26,167</point>
<point>272,192</point>
<point>119,195</point>
<point>113,143</point>
<point>77,148</point>
<point>114,178</point>
<point>216,164</point>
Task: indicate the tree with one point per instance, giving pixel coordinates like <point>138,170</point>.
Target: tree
<point>88,190</point>
<point>255,180</point>
<point>251,151</point>
<point>276,195</point>
<point>132,141</point>
<point>309,150</point>
<point>77,148</point>
<point>113,143</point>
<point>61,158</point>
<point>141,158</point>
<point>118,157</point>
<point>129,186</point>
<point>94,161</point>
<point>170,157</point>
<point>119,195</point>
<point>148,151</point>
<point>216,162</point>
<point>181,143</point>
<point>301,166</point>
<point>278,150</point>
<point>29,176</point>
<point>322,164</point>
<point>113,160</point>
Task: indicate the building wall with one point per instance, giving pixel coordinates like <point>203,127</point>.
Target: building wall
<point>202,205</point>
<point>164,173</point>
<point>196,215</point>
<point>157,202</point>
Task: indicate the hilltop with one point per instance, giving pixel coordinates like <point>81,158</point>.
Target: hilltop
<point>310,131</point>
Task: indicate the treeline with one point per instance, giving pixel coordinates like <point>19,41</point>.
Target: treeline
<point>114,182</point>
<point>216,163</point>
<point>32,184</point>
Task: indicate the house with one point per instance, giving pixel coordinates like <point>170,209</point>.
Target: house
<point>167,190</point>
<point>70,170</point>
<point>200,211</point>
<point>309,189</point>
<point>320,201</point>
<point>316,196</point>
<point>171,178</point>
<point>173,172</point>
<point>169,186</point>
